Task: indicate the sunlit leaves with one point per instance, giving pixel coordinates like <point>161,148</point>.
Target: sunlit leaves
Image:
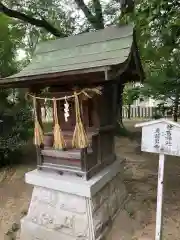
<point>9,43</point>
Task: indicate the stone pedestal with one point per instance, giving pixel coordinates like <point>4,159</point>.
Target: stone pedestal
<point>69,208</point>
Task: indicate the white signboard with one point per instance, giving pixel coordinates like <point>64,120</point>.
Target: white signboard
<point>162,137</point>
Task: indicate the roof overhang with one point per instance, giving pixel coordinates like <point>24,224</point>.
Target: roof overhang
<point>101,55</point>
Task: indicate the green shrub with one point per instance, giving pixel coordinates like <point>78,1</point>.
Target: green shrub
<point>157,116</point>
<point>14,128</point>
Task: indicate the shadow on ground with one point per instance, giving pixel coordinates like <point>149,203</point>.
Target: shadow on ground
<point>137,220</point>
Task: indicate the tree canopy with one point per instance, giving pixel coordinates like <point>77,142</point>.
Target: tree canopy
<point>158,34</point>
<point>14,114</point>
<point>52,14</point>
<point>8,46</point>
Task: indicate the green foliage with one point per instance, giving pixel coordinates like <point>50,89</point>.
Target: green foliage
<point>16,120</point>
<point>10,41</point>
<point>163,49</point>
<point>130,94</point>
<point>7,51</point>
<point>59,14</point>
<point>14,113</point>
<point>158,33</point>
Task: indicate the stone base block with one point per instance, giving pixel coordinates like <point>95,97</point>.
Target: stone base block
<point>32,231</point>
<point>72,209</point>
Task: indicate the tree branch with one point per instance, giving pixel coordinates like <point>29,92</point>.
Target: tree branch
<point>95,22</point>
<point>127,6</point>
<point>42,23</point>
<point>171,99</point>
<point>99,14</point>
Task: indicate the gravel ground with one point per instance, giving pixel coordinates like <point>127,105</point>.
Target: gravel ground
<point>137,221</point>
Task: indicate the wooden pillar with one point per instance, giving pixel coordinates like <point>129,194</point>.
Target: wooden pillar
<point>39,117</point>
<point>38,149</point>
<point>39,113</point>
<point>114,103</point>
<point>35,92</point>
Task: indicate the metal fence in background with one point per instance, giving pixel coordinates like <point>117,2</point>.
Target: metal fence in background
<point>134,112</point>
<point>138,112</point>
<point>142,112</point>
<point>47,114</point>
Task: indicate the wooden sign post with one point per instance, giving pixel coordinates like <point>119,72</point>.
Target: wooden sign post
<point>159,210</point>
<point>163,137</point>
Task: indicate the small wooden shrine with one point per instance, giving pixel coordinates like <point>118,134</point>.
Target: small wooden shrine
<point>79,77</point>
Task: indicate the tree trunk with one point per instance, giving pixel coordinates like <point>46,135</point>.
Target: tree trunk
<point>129,111</point>
<point>176,104</point>
<point>119,103</point>
<point>96,20</point>
<point>42,23</point>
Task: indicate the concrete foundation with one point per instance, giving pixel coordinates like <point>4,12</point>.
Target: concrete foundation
<point>70,208</point>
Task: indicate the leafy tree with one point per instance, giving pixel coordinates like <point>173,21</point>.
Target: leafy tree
<point>161,55</point>
<point>158,33</point>
<point>16,120</point>
<point>14,115</point>
<point>7,53</point>
<point>130,94</point>
<point>36,13</point>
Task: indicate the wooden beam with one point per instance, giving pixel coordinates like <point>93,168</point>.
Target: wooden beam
<point>50,77</point>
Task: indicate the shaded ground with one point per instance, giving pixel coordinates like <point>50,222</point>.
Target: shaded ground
<point>137,221</point>
<point>15,196</point>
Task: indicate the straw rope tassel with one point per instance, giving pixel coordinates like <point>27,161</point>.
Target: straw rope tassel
<point>38,132</point>
<point>80,139</point>
<point>59,142</point>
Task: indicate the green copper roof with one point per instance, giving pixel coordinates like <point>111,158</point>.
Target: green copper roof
<point>107,47</point>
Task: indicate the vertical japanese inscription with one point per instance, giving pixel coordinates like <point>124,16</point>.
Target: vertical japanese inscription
<point>168,137</point>
<point>157,138</point>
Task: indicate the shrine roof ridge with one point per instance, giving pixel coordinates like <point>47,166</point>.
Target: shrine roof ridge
<point>103,35</point>
<point>162,120</point>
<point>110,46</point>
